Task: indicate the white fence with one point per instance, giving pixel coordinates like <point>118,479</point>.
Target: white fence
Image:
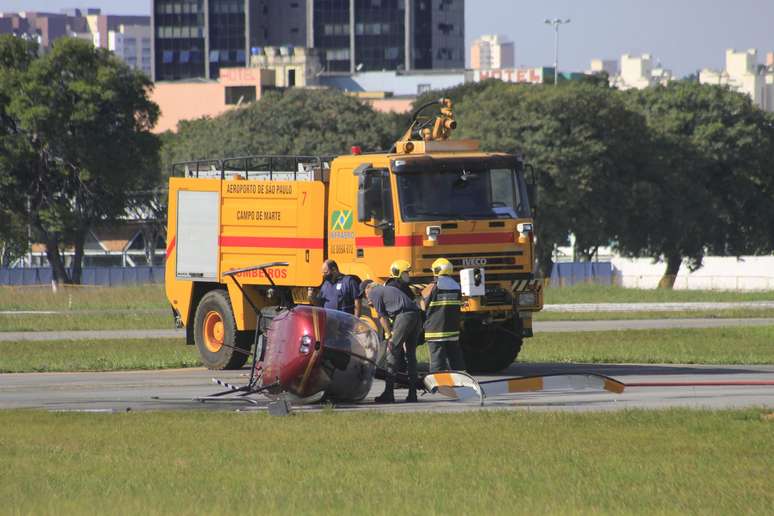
<point>748,273</point>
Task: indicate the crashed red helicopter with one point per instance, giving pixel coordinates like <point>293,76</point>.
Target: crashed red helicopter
<point>304,354</point>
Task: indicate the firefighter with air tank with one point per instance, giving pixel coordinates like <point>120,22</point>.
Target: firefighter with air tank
<point>442,301</point>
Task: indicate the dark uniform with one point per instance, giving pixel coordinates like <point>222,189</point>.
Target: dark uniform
<point>339,293</point>
<point>442,325</point>
<point>403,287</point>
<point>393,304</point>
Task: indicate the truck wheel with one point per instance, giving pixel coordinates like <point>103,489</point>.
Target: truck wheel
<point>489,348</point>
<point>219,343</point>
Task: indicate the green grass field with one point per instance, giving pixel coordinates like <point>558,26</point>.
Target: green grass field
<point>628,462</point>
<point>733,345</point>
<point>678,314</point>
<point>96,355</point>
<point>145,307</point>
<point>148,319</point>
<point>82,298</point>
<point>152,296</point>
<point>589,293</point>
<point>129,319</point>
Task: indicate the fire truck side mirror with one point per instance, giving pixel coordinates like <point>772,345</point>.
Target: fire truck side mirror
<point>363,213</point>
<point>532,187</point>
<point>532,194</point>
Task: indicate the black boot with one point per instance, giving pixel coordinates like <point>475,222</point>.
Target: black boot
<point>412,395</point>
<point>388,396</point>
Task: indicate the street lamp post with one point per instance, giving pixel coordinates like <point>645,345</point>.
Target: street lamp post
<point>556,22</point>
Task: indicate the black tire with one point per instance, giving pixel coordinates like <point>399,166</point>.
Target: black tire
<point>224,347</point>
<point>490,348</point>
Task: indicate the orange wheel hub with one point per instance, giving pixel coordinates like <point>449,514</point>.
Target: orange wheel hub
<point>213,331</point>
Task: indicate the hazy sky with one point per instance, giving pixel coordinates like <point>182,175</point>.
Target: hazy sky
<point>684,35</point>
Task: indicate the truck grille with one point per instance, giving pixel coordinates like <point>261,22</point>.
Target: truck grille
<point>493,261</point>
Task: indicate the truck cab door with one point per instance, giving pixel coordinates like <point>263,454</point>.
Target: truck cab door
<point>374,201</point>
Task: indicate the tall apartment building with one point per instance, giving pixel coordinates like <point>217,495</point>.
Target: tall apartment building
<point>128,36</point>
<point>639,72</point>
<point>373,35</point>
<point>744,74</point>
<point>132,43</point>
<point>195,38</point>
<point>491,52</point>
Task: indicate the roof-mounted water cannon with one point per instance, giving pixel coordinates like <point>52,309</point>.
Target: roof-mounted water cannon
<point>425,129</point>
<point>444,123</point>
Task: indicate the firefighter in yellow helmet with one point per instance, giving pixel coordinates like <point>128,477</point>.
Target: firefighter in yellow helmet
<point>399,277</point>
<point>442,301</point>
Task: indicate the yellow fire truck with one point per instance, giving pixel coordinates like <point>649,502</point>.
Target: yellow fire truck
<point>428,197</point>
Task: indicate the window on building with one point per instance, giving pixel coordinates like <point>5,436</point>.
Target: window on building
<point>339,54</point>
<point>446,28</point>
<point>240,94</point>
<point>168,57</point>
<point>291,77</point>
<point>423,88</point>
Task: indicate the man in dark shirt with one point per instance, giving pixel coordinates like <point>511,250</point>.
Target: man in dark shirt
<point>403,332</point>
<point>338,291</point>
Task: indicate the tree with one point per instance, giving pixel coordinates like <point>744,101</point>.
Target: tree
<point>76,138</point>
<point>15,56</point>
<point>296,121</point>
<point>580,137</point>
<point>710,186</point>
<point>13,238</point>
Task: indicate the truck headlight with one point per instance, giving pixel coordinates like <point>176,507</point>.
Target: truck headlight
<point>527,298</point>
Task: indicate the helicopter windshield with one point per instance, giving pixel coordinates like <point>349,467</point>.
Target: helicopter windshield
<point>351,352</point>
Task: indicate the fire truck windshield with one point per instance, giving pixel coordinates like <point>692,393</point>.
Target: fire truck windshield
<point>466,193</point>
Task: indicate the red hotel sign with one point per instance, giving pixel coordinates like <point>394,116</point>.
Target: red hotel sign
<point>528,75</point>
<point>240,75</point>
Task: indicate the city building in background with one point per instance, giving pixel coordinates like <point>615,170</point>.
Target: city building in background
<point>743,73</point>
<point>132,43</point>
<point>491,52</point>
<point>374,35</point>
<point>188,100</point>
<point>128,36</point>
<point>638,72</point>
<point>608,66</point>
<point>195,38</point>
<point>535,75</point>
<point>292,66</point>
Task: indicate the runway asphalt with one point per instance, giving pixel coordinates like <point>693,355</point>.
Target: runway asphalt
<point>177,390</point>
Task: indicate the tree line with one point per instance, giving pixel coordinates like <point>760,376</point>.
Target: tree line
<point>75,140</point>
<point>672,172</point>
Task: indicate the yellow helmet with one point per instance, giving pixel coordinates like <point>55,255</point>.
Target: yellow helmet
<point>442,267</point>
<point>398,267</point>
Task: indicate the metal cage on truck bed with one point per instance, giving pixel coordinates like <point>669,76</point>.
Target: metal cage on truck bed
<point>261,167</point>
